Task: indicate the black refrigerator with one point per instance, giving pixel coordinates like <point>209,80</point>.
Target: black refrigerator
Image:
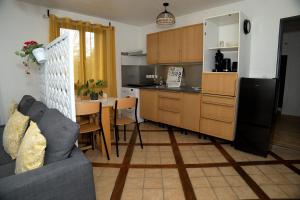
<point>256,112</point>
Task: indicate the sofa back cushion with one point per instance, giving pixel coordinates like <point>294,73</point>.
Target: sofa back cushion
<point>36,111</point>
<point>25,104</point>
<point>61,134</point>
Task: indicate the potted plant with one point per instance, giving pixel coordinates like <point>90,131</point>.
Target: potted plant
<point>33,53</point>
<point>92,88</point>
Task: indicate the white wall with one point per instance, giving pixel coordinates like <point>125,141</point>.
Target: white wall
<point>265,16</point>
<point>291,98</point>
<point>20,22</point>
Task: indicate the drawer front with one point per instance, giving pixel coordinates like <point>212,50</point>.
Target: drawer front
<point>216,128</point>
<point>217,112</point>
<point>170,101</point>
<point>219,83</point>
<point>218,100</point>
<point>167,117</point>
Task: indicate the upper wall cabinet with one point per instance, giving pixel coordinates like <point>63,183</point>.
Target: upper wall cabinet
<point>182,45</point>
<point>152,48</point>
<point>192,43</point>
<point>169,46</point>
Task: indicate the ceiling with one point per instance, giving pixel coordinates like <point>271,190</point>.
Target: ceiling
<point>135,12</point>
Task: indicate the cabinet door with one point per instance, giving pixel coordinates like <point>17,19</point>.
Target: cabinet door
<point>191,111</point>
<point>192,43</point>
<point>219,83</point>
<point>148,104</point>
<point>169,46</point>
<point>152,48</point>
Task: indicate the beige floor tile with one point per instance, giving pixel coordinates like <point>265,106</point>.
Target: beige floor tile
<point>103,194</point>
<point>228,171</point>
<point>130,194</point>
<point>170,183</point>
<point>101,182</point>
<point>293,178</point>
<point>282,169</point>
<point>165,160</point>
<point>252,170</point>
<point>153,194</point>
<point>244,192</point>
<point>110,172</point>
<point>212,171</point>
<point>205,160</point>
<point>171,173</point>
<point>273,191</point>
<point>134,183</point>
<point>195,172</point>
<point>261,179</point>
<point>138,160</point>
<point>297,165</point>
<point>278,179</point>
<point>153,173</point>
<point>153,183</point>
<point>165,148</point>
<point>200,182</point>
<point>152,160</point>
<point>217,181</point>
<point>136,173</point>
<point>173,194</point>
<point>219,159</point>
<point>267,169</point>
<point>205,193</point>
<point>225,193</point>
<point>293,191</point>
<point>235,181</point>
<point>97,171</point>
<point>167,154</point>
<point>190,160</point>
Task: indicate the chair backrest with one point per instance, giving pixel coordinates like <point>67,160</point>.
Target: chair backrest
<point>125,103</point>
<point>87,108</point>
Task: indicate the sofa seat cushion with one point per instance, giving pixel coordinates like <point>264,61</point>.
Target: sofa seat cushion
<point>7,169</point>
<point>61,134</point>
<point>36,111</point>
<point>4,157</point>
<point>25,103</point>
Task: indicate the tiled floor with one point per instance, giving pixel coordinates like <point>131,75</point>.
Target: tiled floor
<point>177,166</point>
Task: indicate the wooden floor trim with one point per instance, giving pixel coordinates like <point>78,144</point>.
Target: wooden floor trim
<point>184,177</point>
<point>287,164</point>
<point>252,184</point>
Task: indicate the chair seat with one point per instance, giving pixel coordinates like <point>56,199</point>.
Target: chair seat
<point>124,121</point>
<point>90,127</point>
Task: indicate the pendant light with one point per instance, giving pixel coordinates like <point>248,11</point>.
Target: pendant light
<point>165,17</point>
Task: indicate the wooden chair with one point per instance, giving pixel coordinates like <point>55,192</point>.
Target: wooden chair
<point>91,127</point>
<point>121,104</point>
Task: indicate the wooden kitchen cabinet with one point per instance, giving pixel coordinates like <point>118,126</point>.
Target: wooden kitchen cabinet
<point>148,104</point>
<point>169,46</point>
<point>191,111</point>
<point>192,43</point>
<point>219,83</point>
<point>152,48</point>
<point>170,108</point>
<point>218,116</point>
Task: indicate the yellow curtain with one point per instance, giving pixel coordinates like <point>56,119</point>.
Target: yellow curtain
<point>95,57</point>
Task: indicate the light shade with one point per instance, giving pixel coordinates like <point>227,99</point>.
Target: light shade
<point>165,17</point>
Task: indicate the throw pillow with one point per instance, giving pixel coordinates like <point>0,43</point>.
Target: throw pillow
<point>13,133</point>
<point>32,150</point>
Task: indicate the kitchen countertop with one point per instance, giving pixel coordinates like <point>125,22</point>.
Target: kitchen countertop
<point>180,89</point>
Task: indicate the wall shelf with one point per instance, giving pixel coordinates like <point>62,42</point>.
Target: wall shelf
<point>232,48</point>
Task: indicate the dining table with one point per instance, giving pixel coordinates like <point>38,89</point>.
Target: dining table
<point>107,104</point>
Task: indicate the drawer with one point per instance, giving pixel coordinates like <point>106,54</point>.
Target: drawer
<point>169,101</point>
<point>219,83</point>
<point>217,128</point>
<point>167,117</point>
<point>218,112</point>
<point>218,100</point>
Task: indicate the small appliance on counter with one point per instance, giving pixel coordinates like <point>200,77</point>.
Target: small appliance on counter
<point>218,61</point>
<point>224,64</point>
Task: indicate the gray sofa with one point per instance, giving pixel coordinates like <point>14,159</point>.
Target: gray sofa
<point>66,174</point>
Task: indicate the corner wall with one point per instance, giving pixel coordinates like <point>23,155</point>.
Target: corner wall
<point>22,21</point>
<point>265,17</point>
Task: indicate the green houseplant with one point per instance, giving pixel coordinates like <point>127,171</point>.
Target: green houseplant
<point>92,87</point>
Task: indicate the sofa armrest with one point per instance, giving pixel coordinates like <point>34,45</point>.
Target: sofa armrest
<point>71,178</point>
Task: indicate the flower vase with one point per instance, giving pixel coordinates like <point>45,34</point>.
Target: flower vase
<point>40,55</point>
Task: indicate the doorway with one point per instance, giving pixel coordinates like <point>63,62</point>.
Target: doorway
<point>287,125</point>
